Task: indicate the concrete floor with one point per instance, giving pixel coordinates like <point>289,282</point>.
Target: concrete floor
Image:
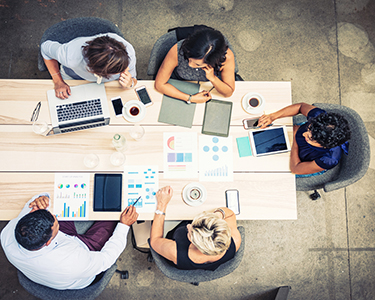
<point>325,48</point>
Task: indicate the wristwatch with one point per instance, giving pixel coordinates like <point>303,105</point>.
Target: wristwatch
<point>159,212</point>
<point>189,100</point>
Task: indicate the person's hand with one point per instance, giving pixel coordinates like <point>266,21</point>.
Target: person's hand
<point>265,120</point>
<point>62,90</point>
<point>125,79</point>
<point>201,97</point>
<point>163,196</point>
<point>210,75</point>
<point>41,202</point>
<point>129,215</point>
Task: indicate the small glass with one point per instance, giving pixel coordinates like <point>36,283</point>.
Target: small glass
<point>91,160</point>
<point>137,132</point>
<point>117,159</point>
<point>119,142</point>
<point>40,127</point>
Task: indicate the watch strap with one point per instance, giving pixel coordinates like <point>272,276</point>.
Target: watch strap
<point>159,212</point>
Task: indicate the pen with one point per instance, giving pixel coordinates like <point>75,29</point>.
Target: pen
<point>136,201</point>
<point>35,114</point>
<point>211,89</point>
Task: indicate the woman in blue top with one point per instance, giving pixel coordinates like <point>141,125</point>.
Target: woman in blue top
<point>317,144</point>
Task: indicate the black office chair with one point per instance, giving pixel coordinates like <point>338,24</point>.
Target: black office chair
<point>70,29</point>
<point>352,167</point>
<point>196,276</point>
<point>162,46</point>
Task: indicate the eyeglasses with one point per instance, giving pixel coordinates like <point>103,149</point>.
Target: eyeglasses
<point>36,111</point>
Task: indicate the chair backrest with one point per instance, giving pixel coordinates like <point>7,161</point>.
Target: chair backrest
<point>161,48</point>
<point>70,29</point>
<point>170,270</point>
<point>46,293</point>
<point>353,166</point>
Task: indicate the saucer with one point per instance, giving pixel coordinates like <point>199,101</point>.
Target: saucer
<point>187,191</point>
<point>134,119</point>
<point>253,110</point>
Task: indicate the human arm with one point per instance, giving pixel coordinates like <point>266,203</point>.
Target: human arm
<point>163,246</point>
<point>126,80</point>
<point>295,164</point>
<point>230,217</point>
<point>165,71</point>
<point>287,111</point>
<point>226,85</point>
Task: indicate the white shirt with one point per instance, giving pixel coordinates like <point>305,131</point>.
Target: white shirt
<point>70,55</point>
<point>66,263</point>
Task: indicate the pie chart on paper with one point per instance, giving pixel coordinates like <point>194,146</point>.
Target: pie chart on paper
<point>170,143</point>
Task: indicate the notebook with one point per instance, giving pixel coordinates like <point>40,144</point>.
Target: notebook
<point>86,107</point>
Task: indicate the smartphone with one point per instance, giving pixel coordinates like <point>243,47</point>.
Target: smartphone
<point>233,200</point>
<point>250,123</point>
<point>143,95</point>
<point>117,106</point>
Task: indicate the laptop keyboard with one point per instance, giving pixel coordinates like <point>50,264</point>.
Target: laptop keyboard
<point>79,110</point>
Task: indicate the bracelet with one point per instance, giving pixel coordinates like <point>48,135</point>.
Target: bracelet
<point>159,212</point>
<point>132,85</point>
<point>189,100</point>
<point>220,210</point>
<point>55,74</point>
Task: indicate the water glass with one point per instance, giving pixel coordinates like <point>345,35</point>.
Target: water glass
<point>137,132</point>
<point>91,160</point>
<point>117,159</point>
<point>40,127</point>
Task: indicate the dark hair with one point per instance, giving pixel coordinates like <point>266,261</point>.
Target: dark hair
<point>106,56</point>
<point>208,44</point>
<point>34,229</point>
<point>329,130</point>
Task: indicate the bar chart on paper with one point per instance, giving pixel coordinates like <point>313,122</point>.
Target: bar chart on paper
<point>141,181</point>
<point>71,196</point>
<point>215,158</point>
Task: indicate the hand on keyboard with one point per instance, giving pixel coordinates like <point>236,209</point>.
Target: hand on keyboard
<point>62,90</point>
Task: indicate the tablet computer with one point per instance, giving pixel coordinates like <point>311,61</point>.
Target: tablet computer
<point>271,140</point>
<point>107,192</point>
<point>217,115</point>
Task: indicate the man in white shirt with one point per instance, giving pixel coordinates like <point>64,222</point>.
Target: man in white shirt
<point>34,244</point>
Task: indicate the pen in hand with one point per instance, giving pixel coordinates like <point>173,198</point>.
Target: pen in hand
<point>136,201</point>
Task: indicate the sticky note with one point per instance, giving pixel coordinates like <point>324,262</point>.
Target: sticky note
<point>243,145</point>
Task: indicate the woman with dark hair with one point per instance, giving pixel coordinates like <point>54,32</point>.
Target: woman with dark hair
<point>203,56</point>
<point>317,144</point>
<point>101,58</point>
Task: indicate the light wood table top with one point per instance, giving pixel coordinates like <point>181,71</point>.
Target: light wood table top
<point>28,161</point>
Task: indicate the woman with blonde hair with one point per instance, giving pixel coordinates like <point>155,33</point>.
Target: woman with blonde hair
<point>210,240</point>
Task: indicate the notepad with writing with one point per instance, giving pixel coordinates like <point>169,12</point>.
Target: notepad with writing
<point>178,112</point>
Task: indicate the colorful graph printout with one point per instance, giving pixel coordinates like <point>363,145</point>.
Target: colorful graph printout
<point>215,158</point>
<point>71,196</point>
<point>141,181</point>
<point>180,155</point>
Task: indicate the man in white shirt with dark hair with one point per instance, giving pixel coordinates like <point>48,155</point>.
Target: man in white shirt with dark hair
<point>53,254</point>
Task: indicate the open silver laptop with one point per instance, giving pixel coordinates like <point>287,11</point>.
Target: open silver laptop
<point>86,107</point>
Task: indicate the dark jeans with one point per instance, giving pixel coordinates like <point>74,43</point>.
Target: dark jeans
<point>95,237</point>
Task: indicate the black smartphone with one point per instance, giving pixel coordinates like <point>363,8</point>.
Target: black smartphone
<point>117,106</point>
<point>233,200</point>
<point>143,95</point>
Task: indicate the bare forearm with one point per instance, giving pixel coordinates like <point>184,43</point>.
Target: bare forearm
<point>53,68</point>
<point>171,91</point>
<point>223,88</point>
<point>294,157</point>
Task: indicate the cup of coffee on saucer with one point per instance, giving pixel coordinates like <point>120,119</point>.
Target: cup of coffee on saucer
<point>253,103</point>
<point>134,111</point>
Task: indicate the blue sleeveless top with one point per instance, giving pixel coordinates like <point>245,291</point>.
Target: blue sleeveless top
<point>324,158</point>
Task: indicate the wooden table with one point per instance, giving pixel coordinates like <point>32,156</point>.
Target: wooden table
<point>28,161</point>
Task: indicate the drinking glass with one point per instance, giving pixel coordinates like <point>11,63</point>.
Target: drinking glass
<point>40,127</point>
<point>137,132</point>
<point>91,160</point>
<point>117,159</point>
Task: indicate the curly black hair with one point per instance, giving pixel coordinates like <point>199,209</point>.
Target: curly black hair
<point>329,130</point>
<point>34,229</point>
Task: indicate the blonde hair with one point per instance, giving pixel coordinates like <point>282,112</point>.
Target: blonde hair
<point>210,234</point>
